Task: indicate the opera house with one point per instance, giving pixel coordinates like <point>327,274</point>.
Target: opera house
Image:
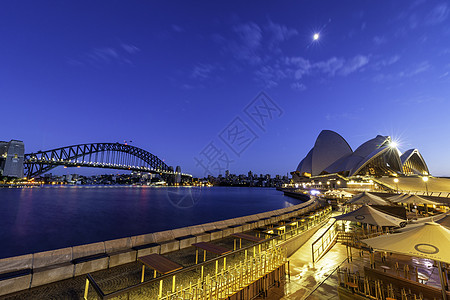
<point>377,157</point>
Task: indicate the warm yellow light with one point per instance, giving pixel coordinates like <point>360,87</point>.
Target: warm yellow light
<point>395,180</point>
<point>338,182</point>
<point>425,179</point>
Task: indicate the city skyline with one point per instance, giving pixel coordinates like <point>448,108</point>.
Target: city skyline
<point>181,80</point>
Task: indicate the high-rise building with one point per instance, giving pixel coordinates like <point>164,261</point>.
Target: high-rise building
<point>178,175</point>
<point>11,158</point>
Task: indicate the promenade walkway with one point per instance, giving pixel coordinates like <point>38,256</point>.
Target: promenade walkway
<point>308,278</point>
<point>319,281</point>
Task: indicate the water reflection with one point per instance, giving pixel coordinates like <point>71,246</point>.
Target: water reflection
<point>39,219</point>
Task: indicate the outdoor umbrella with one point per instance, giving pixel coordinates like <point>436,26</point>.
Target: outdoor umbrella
<point>397,197</point>
<point>429,240</point>
<point>444,221</point>
<point>414,199</point>
<point>369,215</point>
<point>367,198</point>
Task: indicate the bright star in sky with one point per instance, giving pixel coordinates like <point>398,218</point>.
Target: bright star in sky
<point>315,36</point>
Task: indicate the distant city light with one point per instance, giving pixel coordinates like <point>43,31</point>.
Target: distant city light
<point>314,192</point>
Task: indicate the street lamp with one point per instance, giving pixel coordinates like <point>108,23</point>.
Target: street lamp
<point>425,179</point>
<point>396,183</point>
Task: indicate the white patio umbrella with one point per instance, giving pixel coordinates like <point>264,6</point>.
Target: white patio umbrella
<point>369,215</point>
<point>444,221</point>
<point>414,199</point>
<point>367,198</point>
<point>429,240</point>
<point>397,197</point>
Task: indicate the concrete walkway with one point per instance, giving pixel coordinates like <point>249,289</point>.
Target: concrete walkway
<point>320,281</point>
<point>306,277</point>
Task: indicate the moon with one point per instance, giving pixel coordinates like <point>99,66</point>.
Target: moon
<point>315,36</point>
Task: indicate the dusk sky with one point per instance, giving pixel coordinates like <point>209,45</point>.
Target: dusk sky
<point>181,79</point>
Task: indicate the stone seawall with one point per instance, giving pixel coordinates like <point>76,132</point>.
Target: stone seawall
<point>31,270</point>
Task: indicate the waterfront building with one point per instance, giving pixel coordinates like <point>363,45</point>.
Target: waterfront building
<point>11,158</point>
<point>377,157</point>
<point>177,175</point>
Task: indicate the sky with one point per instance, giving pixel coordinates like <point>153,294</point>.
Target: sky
<point>237,85</point>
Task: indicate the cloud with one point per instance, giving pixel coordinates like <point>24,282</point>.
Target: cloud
<point>259,49</point>
<point>177,28</point>
<point>363,26</point>
<point>354,64</point>
<point>407,73</point>
<point>385,62</point>
<point>102,56</point>
<point>330,66</point>
<point>341,116</point>
<point>279,33</point>
<point>417,3</point>
<point>340,66</point>
<point>296,68</point>
<point>443,75</point>
<point>131,49</point>
<point>250,34</point>
<point>302,66</point>
<point>379,40</point>
<point>438,14</point>
<point>254,44</point>
<point>413,21</point>
<point>420,99</point>
<point>248,42</point>
<point>202,71</point>
<point>270,75</point>
<point>298,86</point>
<point>105,55</point>
<point>218,39</point>
<point>419,68</point>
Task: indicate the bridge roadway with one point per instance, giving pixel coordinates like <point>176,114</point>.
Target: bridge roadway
<point>98,155</point>
<point>109,166</point>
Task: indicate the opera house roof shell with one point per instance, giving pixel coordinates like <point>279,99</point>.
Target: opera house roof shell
<point>378,156</point>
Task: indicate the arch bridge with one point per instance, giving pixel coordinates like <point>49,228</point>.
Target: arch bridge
<point>96,155</point>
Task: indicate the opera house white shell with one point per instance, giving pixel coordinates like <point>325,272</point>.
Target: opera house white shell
<point>376,157</point>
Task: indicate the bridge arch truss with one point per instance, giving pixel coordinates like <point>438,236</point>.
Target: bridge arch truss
<point>97,155</point>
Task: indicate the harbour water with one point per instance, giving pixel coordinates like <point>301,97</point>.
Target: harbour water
<point>46,218</point>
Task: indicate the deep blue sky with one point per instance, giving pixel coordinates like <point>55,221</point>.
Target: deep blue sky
<point>172,75</point>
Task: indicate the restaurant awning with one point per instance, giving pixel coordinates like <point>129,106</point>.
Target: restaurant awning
<point>369,215</point>
<point>367,198</point>
<point>429,240</point>
<point>414,199</point>
<point>397,197</point>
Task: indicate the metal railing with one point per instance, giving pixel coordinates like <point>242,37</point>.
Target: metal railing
<point>213,278</point>
<point>322,243</point>
<point>219,277</point>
